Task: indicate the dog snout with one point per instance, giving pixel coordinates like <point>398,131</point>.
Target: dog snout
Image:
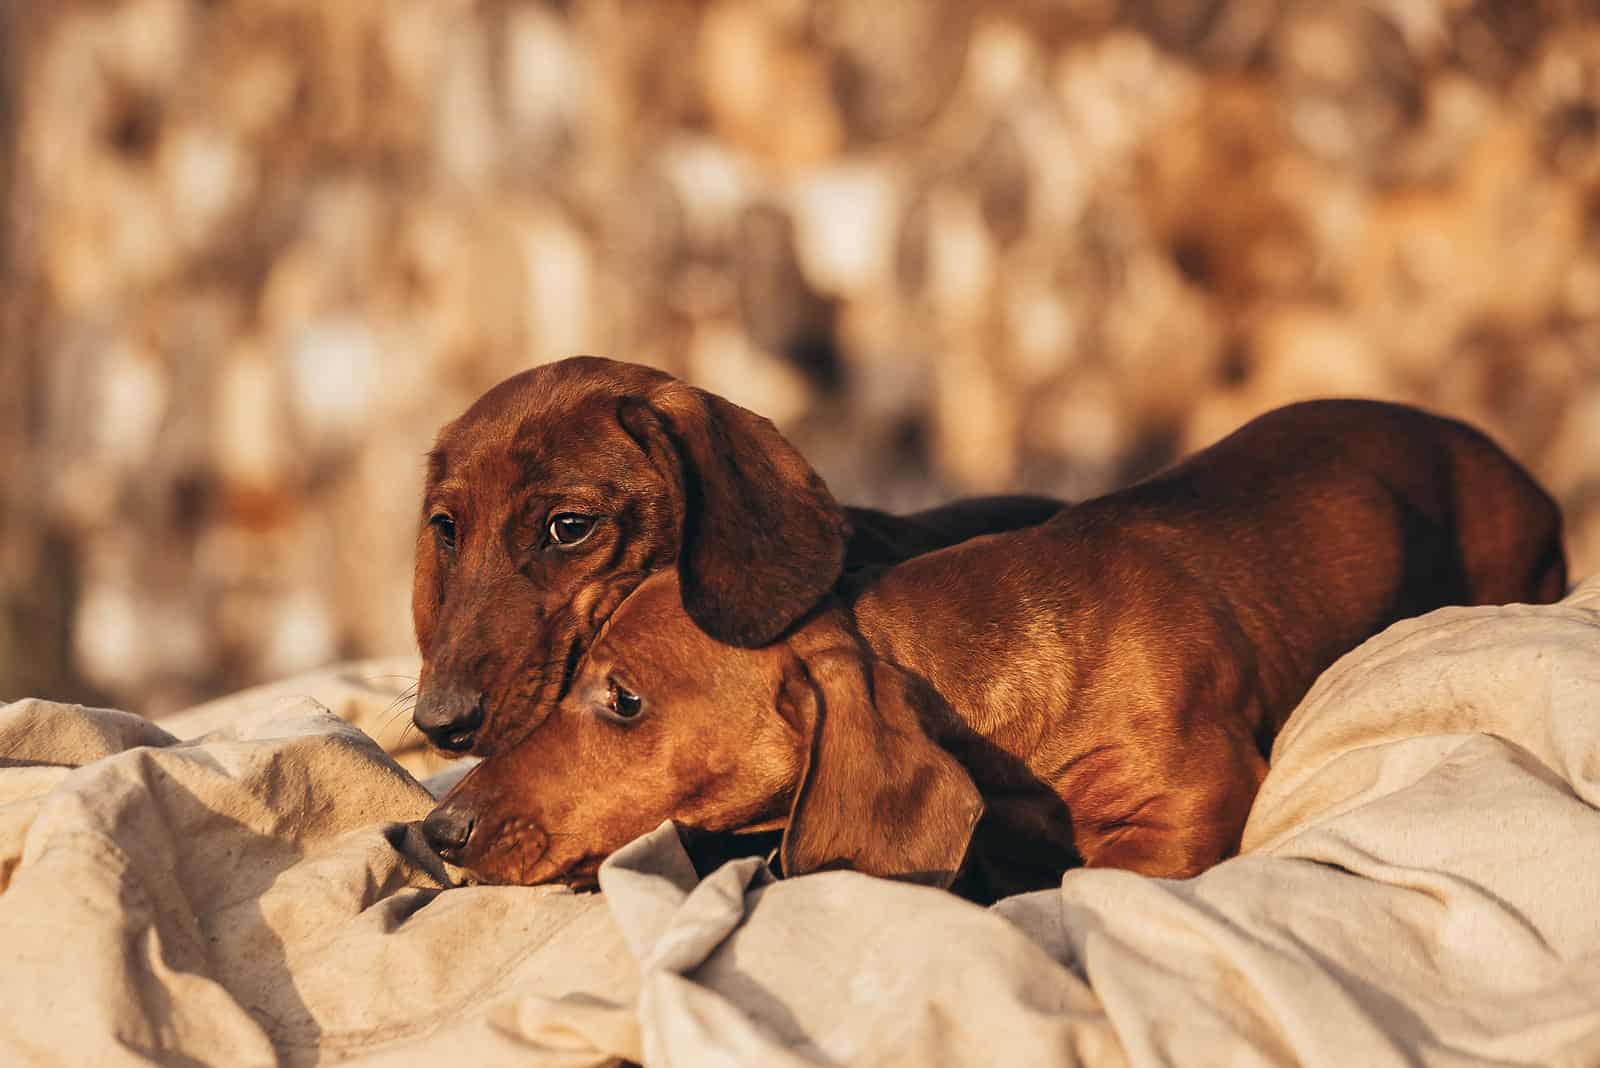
<point>448,828</point>
<point>450,716</point>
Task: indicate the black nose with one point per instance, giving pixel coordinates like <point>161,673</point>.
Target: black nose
<point>450,716</point>
<point>448,829</point>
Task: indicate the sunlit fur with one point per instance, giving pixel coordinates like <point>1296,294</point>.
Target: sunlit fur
<point>677,478</point>
<point>707,746</point>
<point>1110,681</point>
<point>502,614</point>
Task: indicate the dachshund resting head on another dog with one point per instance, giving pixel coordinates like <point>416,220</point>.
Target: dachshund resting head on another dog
<point>563,487</point>
<point>558,492</point>
<point>1102,688</point>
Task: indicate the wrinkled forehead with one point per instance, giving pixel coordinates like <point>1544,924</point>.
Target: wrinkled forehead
<point>532,434</point>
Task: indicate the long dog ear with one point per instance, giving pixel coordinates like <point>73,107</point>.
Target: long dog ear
<point>877,795</point>
<point>763,539</point>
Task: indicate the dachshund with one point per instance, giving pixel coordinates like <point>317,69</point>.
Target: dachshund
<point>1103,688</point>
<point>559,490</point>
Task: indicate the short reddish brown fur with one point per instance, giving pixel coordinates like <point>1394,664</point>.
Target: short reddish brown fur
<point>1103,688</point>
<point>677,478</point>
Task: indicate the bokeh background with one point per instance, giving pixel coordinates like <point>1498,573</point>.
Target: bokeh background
<point>256,251</point>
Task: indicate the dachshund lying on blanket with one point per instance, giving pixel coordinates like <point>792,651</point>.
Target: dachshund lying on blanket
<point>1103,688</point>
<point>560,489</point>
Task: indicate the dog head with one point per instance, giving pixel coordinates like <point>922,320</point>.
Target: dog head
<point>664,722</point>
<point>557,492</point>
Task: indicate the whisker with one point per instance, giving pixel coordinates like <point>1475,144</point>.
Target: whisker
<point>409,695</point>
<point>391,718</point>
<point>393,714</point>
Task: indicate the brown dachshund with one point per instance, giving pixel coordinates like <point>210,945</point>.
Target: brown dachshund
<point>560,489</point>
<point>1103,688</point>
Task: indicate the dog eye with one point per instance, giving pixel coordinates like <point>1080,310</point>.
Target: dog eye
<point>444,529</point>
<point>623,703</point>
<point>569,528</point>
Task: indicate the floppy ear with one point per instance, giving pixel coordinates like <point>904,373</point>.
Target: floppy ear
<point>877,794</point>
<point>762,538</point>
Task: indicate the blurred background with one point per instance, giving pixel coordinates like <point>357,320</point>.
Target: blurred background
<point>255,253</point>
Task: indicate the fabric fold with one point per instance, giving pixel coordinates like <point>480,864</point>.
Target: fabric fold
<point>1417,888</point>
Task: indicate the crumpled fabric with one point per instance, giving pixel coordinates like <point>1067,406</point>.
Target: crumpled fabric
<point>1419,885</point>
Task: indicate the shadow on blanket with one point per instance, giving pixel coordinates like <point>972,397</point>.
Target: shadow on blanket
<point>256,970</point>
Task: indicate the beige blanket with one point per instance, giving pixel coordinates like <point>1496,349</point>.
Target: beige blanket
<point>1421,885</point>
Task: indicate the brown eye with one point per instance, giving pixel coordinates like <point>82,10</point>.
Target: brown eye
<point>569,529</point>
<point>444,530</point>
<point>623,703</point>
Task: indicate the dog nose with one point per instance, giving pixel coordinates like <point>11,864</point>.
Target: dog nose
<point>450,716</point>
<point>448,829</point>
